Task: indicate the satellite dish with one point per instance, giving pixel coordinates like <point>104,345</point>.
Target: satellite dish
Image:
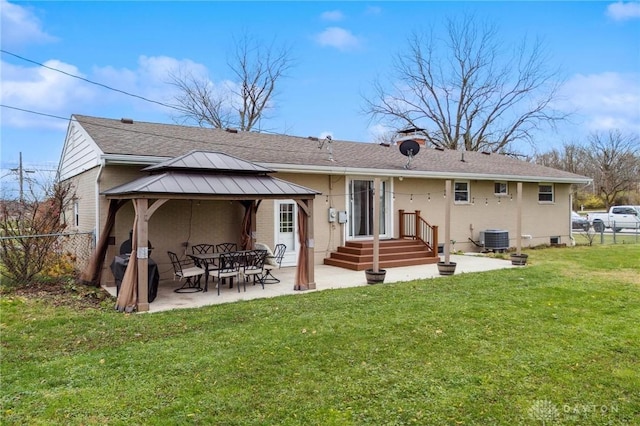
<point>409,148</point>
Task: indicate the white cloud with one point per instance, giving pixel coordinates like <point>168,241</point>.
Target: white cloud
<point>19,26</point>
<point>604,101</point>
<point>42,90</point>
<point>150,79</point>
<point>332,15</point>
<point>380,132</point>
<point>373,10</point>
<point>339,38</point>
<point>622,11</point>
<point>47,91</point>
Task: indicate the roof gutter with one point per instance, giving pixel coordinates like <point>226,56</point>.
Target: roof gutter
<point>291,168</point>
<point>131,160</point>
<point>138,160</point>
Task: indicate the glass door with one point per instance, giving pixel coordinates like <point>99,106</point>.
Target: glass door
<point>361,208</point>
<point>286,230</point>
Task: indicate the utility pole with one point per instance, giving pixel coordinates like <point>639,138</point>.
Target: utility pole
<point>21,171</point>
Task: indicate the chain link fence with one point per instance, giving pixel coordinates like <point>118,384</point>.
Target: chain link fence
<point>602,236</point>
<point>23,263</point>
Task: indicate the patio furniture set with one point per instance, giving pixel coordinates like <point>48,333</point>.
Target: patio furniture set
<point>224,261</point>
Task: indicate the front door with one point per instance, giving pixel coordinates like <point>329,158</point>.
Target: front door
<point>361,208</point>
<point>287,230</point>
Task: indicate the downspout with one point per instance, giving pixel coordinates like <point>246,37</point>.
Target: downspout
<point>571,237</point>
<point>97,206</point>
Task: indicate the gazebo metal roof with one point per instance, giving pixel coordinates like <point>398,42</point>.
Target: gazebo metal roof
<point>212,175</point>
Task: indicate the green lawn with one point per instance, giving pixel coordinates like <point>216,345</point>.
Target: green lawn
<point>582,238</point>
<point>555,342</point>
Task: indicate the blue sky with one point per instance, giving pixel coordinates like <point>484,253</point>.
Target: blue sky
<point>339,48</point>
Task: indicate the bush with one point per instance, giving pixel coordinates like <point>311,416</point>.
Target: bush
<point>592,202</point>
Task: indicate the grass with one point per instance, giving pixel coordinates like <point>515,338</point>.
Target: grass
<point>582,238</point>
<point>554,342</point>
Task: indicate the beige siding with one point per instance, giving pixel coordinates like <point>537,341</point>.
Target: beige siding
<point>540,221</point>
<point>178,221</point>
<point>327,236</point>
<point>265,223</point>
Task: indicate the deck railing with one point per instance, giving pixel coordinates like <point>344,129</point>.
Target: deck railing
<point>412,225</point>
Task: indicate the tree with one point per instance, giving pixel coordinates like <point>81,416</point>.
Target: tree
<point>613,160</point>
<point>465,92</point>
<point>237,104</point>
<point>571,158</point>
<point>28,228</point>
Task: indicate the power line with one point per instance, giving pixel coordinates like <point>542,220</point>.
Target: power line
<point>133,131</point>
<point>106,87</point>
<point>91,82</point>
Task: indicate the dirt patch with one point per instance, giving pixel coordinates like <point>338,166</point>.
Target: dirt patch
<point>73,295</point>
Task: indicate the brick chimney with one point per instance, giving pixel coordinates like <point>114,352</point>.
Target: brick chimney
<point>411,134</point>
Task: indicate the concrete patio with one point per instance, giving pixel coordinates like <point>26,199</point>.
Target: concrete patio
<point>327,277</point>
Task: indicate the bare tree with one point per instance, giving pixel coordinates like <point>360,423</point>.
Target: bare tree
<point>242,103</point>
<point>28,229</point>
<point>614,164</point>
<point>572,157</point>
<point>465,92</point>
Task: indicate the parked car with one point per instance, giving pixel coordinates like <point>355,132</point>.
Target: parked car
<point>579,222</point>
<point>617,218</point>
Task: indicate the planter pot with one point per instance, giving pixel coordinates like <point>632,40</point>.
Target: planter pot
<point>375,277</point>
<point>519,259</point>
<point>445,268</point>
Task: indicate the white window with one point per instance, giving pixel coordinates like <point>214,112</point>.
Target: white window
<point>500,188</point>
<point>286,218</point>
<point>461,192</point>
<point>545,193</point>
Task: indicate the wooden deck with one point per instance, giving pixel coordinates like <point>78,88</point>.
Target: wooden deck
<point>358,255</point>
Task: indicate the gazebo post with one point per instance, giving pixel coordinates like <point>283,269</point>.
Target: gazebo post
<point>447,222</point>
<point>142,254</point>
<point>310,247</point>
<point>376,225</point>
<point>252,234</point>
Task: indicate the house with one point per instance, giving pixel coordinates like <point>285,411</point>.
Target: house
<point>337,178</point>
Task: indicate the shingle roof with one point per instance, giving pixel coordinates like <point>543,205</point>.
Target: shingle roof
<point>210,174</point>
<point>282,152</point>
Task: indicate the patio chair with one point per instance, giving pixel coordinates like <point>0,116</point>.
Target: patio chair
<point>204,249</point>
<point>273,262</point>
<point>253,267</point>
<point>187,270</point>
<point>226,247</point>
<point>228,267</point>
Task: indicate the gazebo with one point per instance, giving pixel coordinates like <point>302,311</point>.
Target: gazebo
<point>201,175</point>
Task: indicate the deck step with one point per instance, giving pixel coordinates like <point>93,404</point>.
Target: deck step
<point>358,255</point>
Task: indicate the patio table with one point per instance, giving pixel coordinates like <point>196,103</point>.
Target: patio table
<point>207,259</point>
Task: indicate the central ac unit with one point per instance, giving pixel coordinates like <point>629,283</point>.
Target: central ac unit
<point>494,239</point>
